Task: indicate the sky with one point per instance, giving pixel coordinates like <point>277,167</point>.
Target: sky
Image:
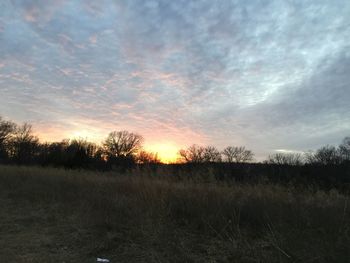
<point>273,76</point>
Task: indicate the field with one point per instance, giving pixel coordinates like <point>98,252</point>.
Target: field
<point>54,215</point>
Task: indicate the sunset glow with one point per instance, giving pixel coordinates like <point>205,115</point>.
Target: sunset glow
<point>167,152</point>
<point>147,126</point>
<point>268,75</point>
<point>85,134</point>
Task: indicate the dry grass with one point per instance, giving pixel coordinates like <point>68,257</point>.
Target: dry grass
<point>52,215</point>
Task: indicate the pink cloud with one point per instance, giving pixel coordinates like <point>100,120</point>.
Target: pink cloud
<point>93,39</point>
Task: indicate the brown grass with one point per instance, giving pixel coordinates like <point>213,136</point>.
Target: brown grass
<point>52,215</point>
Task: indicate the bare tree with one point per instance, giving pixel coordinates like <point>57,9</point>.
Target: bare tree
<point>24,144</point>
<point>211,154</point>
<point>237,154</point>
<point>200,154</point>
<point>144,157</point>
<point>325,155</point>
<point>344,149</point>
<point>7,129</point>
<point>79,152</point>
<point>285,159</point>
<point>193,154</point>
<point>122,144</point>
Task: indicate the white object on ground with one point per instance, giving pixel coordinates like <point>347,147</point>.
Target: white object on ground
<point>102,260</point>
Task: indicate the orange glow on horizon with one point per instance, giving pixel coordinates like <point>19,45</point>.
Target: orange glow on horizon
<point>84,134</point>
<point>167,152</point>
<point>51,135</point>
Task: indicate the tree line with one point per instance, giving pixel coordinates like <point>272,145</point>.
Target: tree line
<point>123,149</point>
<point>326,155</point>
<point>19,145</point>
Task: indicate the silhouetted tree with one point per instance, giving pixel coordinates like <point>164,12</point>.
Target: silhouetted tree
<point>80,153</point>
<point>24,145</point>
<point>193,154</point>
<point>211,154</point>
<point>120,148</point>
<point>7,130</point>
<point>54,153</point>
<point>285,159</point>
<point>200,154</point>
<point>344,149</point>
<point>237,154</point>
<point>326,155</point>
<point>144,157</point>
<point>122,143</point>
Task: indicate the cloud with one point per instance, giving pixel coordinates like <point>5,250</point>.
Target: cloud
<point>266,74</point>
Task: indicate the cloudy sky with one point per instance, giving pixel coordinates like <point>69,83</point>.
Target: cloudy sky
<point>270,75</point>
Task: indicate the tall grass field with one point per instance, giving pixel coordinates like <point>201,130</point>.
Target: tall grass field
<point>56,215</point>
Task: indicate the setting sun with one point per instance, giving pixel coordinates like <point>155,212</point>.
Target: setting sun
<point>167,152</point>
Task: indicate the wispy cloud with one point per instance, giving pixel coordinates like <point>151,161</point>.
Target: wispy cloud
<point>267,74</point>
